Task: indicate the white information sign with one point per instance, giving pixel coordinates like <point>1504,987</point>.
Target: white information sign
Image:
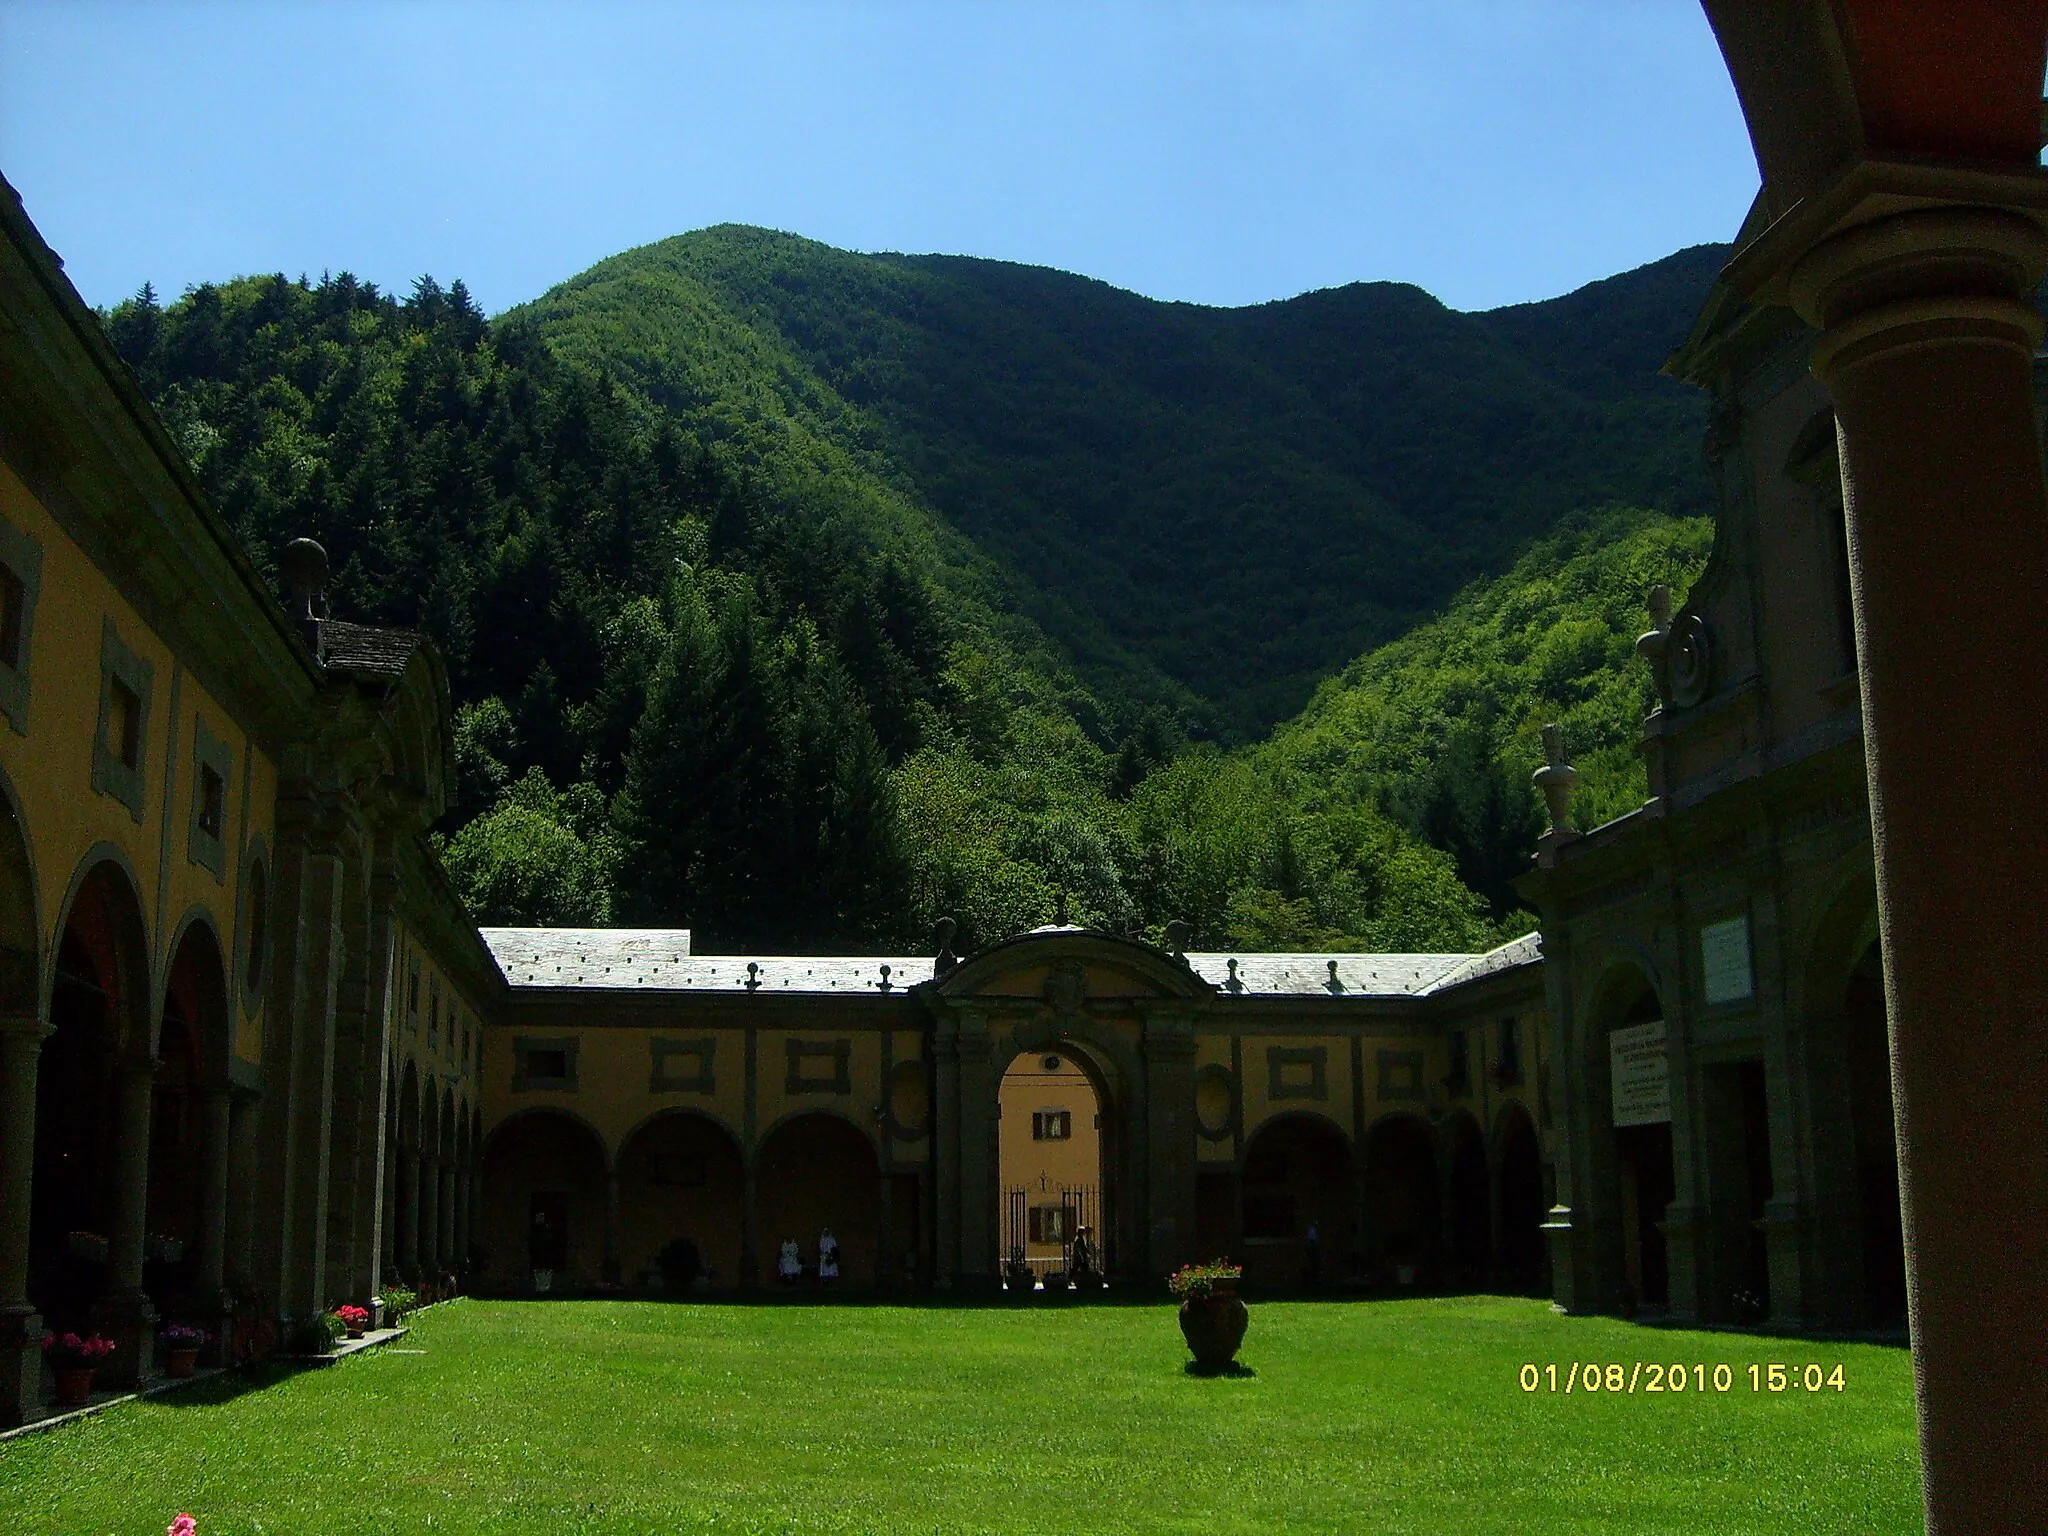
<point>1724,961</point>
<point>1639,1067</point>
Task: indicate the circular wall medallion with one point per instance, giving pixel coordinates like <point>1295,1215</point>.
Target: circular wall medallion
<point>1689,660</point>
<point>1049,1063</point>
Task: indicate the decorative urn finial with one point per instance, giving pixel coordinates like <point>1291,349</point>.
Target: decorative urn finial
<point>1557,778</point>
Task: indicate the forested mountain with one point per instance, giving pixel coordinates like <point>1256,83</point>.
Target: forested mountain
<point>802,598</point>
<point>1207,507</point>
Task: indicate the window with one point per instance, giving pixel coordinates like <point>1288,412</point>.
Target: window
<point>21,572</point>
<point>412,993</point>
<point>1052,1124</point>
<point>544,1064</point>
<point>212,767</point>
<point>1509,1065</point>
<point>433,1013</point>
<point>1048,1224</point>
<point>1459,1077</point>
<point>124,721</point>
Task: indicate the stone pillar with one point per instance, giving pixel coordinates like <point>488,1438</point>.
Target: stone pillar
<point>125,1313</point>
<point>1169,1045</point>
<point>750,1226</point>
<point>1927,340</point>
<point>216,1151</point>
<point>609,1270</point>
<point>943,1126</point>
<point>409,1214</point>
<point>974,1112</point>
<point>244,1121</point>
<point>430,1215</point>
<point>21,1329</point>
<point>465,1197</point>
<point>885,1236</point>
<point>450,1259</point>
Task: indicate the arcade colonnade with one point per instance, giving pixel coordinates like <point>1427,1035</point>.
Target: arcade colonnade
<point>220,926</point>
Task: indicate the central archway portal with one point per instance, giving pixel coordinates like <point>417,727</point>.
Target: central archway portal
<point>1052,1119</point>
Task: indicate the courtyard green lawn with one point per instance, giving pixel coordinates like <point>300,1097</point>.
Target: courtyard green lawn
<point>636,1418</point>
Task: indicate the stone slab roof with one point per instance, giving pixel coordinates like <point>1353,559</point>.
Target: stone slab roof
<point>366,648</point>
<point>1526,950</point>
<point>659,959</point>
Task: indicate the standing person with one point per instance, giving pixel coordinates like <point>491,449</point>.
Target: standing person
<point>828,1257</point>
<point>1083,1262</point>
<point>789,1264</point>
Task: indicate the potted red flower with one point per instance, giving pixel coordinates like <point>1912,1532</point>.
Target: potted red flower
<point>354,1319</point>
<point>1212,1319</point>
<point>73,1361</point>
<point>180,1344</point>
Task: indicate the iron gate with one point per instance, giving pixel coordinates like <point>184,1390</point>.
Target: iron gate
<point>1041,1226</point>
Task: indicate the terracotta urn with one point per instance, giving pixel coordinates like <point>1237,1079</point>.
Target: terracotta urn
<point>355,1330</point>
<point>74,1385</point>
<point>1214,1326</point>
<point>179,1363</point>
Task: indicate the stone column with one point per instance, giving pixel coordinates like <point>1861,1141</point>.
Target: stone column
<point>1927,340</point>
<point>1170,1136</point>
<point>244,1120</point>
<point>943,1128</point>
<point>609,1269</point>
<point>450,1260</point>
<point>465,1196</point>
<point>974,1113</point>
<point>216,1151</point>
<point>750,1226</point>
<point>409,1214</point>
<point>885,1237</point>
<point>430,1214</point>
<point>125,1313</point>
<point>21,1329</point>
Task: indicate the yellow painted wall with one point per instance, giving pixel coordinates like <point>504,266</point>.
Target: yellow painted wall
<point>51,767</point>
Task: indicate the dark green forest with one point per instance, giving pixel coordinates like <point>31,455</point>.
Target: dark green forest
<point>802,598</point>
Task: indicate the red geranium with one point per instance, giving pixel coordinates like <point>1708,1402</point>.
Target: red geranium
<point>69,1352</point>
<point>354,1317</point>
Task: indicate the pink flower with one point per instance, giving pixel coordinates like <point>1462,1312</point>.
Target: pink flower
<point>184,1525</point>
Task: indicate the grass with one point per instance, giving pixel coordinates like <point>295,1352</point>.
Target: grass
<point>635,1418</point>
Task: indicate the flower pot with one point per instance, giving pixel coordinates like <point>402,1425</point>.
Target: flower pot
<point>74,1385</point>
<point>1214,1326</point>
<point>178,1363</point>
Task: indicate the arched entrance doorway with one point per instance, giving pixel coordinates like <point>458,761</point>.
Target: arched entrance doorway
<point>1646,1180</point>
<point>1297,1182</point>
<point>813,1172</point>
<point>1402,1200</point>
<point>1877,1148</point>
<point>1050,1130</point>
<point>1470,1250</point>
<point>92,1099</point>
<point>1523,1263</point>
<point>682,1203</point>
<point>192,1064</point>
<point>545,1176</point>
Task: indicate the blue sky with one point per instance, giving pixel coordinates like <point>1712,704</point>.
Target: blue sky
<point>1224,154</point>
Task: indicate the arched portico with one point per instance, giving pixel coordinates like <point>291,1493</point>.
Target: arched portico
<point>816,1170</point>
<point>1468,1202</point>
<point>93,1108</point>
<point>1403,1201</point>
<point>1520,1259</point>
<point>681,1178</point>
<point>22,1029</point>
<point>191,1107</point>
<point>546,1173</point>
<point>1298,1180</point>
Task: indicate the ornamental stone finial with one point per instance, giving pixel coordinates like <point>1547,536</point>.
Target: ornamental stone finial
<point>942,946</point>
<point>1177,935</point>
<point>1556,779</point>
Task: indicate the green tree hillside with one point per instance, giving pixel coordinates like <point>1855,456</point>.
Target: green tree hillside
<point>1440,730</point>
<point>1207,508</point>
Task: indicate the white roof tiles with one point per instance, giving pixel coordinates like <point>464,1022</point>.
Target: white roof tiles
<point>659,960</point>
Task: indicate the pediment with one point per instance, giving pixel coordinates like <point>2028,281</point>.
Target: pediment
<point>1066,966</point>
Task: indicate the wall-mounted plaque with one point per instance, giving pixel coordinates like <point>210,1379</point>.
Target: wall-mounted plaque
<point>1724,962</point>
<point>1639,1067</point>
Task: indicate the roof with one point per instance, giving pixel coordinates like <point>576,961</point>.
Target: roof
<point>659,960</point>
<point>366,648</point>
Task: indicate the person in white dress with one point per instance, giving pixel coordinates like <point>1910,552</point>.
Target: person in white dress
<point>789,1263</point>
<point>828,1257</point>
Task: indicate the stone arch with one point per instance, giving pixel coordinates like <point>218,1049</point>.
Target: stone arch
<point>21,950</point>
<point>682,1175</point>
<point>1634,1165</point>
<point>1402,1200</point>
<point>1113,1071</point>
<point>1521,1260</point>
<point>545,1173</point>
<point>1468,1244</point>
<point>1298,1175</point>
<point>92,1093</point>
<point>815,1169</point>
<point>195,1040</point>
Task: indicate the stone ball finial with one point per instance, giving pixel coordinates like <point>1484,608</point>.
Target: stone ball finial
<point>303,564</point>
<point>1177,935</point>
<point>942,946</point>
